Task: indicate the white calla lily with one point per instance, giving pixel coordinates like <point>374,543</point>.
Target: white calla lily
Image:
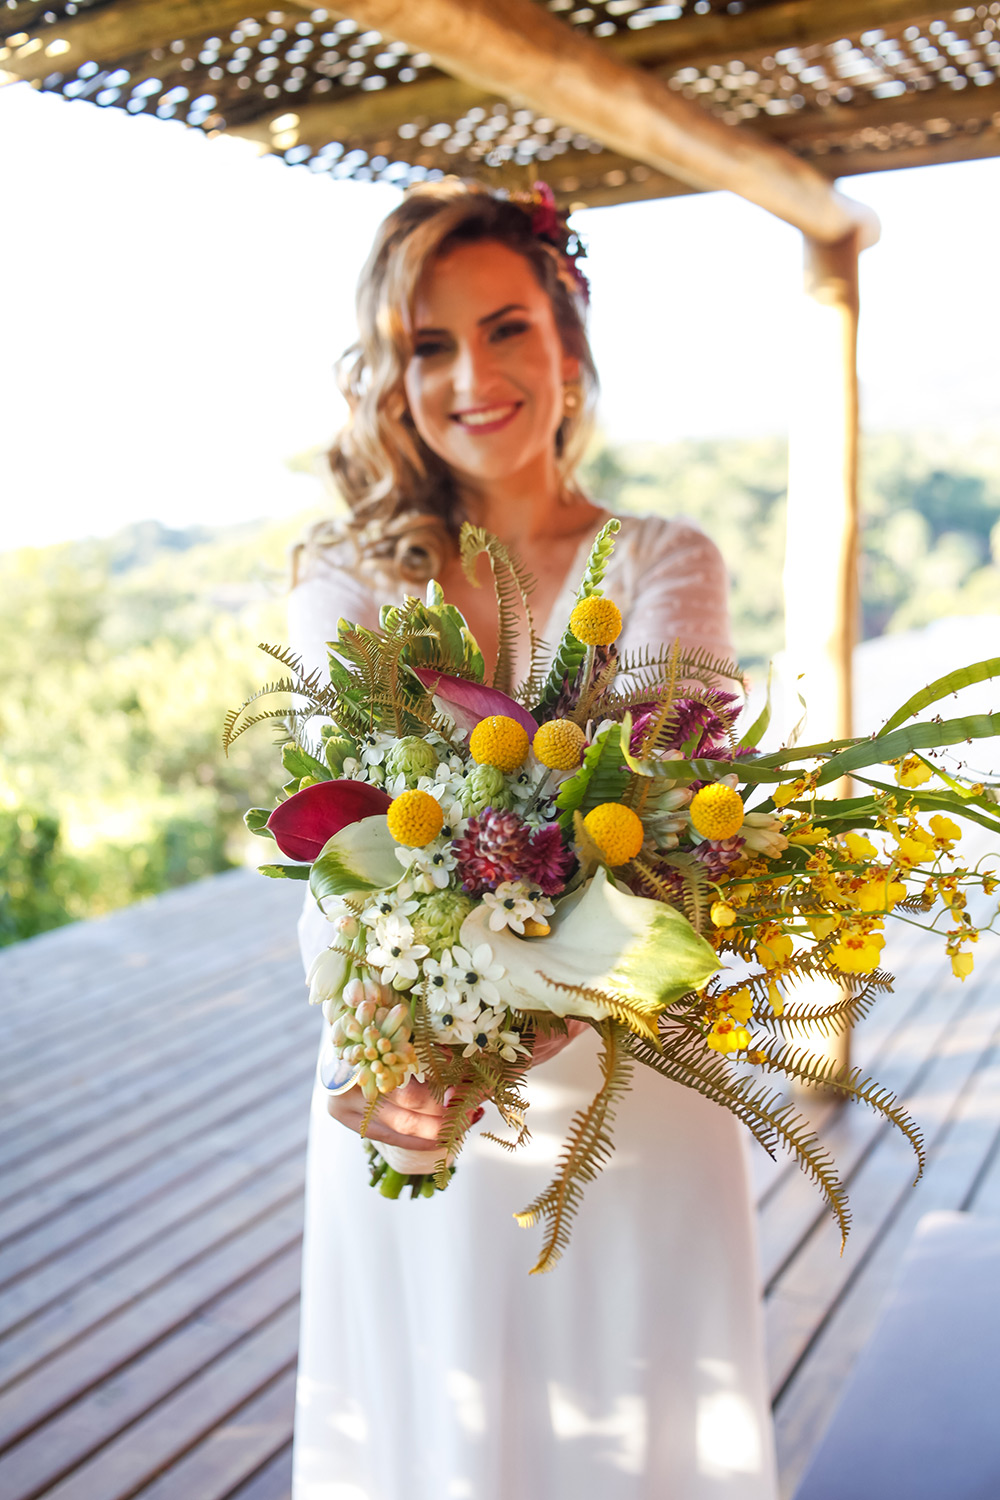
<point>643,952</point>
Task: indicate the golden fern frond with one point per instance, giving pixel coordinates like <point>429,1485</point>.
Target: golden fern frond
<point>770,1118</point>
<point>231,734</point>
<point>587,1149</point>
<point>828,1073</point>
<point>638,1015</point>
<point>827,1019</point>
<point>424,1041</point>
<point>370,1113</point>
<point>467,1095</point>
<point>655,736</point>
<point>511,581</point>
<point>590,704</point>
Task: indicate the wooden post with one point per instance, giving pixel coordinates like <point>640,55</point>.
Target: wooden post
<point>821,558</point>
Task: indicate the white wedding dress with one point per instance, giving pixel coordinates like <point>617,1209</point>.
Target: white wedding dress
<point>431,1365</point>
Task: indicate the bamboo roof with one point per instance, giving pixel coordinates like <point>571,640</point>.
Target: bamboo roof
<point>846,85</point>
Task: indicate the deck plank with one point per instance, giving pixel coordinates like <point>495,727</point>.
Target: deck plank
<point>151,1222</point>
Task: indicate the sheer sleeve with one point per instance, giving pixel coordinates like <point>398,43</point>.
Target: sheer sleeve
<point>328,591</point>
<point>674,588</point>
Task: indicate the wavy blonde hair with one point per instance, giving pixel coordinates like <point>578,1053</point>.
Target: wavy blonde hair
<point>405,510</point>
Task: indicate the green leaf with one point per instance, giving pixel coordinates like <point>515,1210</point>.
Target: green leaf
<point>286,872</point>
<point>602,777</point>
<point>758,728</point>
<point>256,818</point>
<point>927,735</point>
<point>358,858</point>
<point>298,762</point>
<point>603,940</point>
<point>570,652</point>
<point>952,682</point>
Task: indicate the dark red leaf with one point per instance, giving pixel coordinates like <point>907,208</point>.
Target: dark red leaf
<point>302,825</point>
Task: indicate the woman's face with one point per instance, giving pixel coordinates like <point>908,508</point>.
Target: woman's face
<point>484,384</point>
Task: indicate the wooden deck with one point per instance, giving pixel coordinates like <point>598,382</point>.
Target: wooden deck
<point>155,1071</point>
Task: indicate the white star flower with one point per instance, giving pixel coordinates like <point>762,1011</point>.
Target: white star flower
<point>429,868</point>
<point>374,748</point>
<point>452,1026</point>
<point>395,902</point>
<point>477,973</point>
<point>509,905</point>
<point>395,951</point>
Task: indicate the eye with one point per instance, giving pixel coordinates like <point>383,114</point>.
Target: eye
<point>427,348</point>
<point>510,328</point>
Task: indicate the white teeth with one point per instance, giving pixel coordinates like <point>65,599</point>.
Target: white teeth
<point>482,418</point>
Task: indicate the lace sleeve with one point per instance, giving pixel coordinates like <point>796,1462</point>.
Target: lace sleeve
<point>675,589</point>
<point>328,591</point>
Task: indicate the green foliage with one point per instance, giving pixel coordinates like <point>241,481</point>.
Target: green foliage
<point>602,777</point>
<point>570,653</point>
<point>120,656</point>
<point>930,541</point>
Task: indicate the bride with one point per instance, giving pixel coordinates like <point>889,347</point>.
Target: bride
<point>432,1367</point>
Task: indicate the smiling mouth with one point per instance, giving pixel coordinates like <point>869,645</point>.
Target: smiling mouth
<point>487,418</point>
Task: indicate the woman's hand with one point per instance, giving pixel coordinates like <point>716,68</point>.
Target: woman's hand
<point>550,1046</point>
<point>409,1117</point>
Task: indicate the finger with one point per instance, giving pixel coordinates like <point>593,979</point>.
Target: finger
<point>391,1124</point>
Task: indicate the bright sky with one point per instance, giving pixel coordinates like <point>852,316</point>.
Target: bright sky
<point>174,306</point>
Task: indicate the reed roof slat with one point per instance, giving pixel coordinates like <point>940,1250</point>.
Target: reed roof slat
<point>847,85</point>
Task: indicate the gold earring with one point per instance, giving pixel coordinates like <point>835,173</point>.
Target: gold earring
<point>572,398</point>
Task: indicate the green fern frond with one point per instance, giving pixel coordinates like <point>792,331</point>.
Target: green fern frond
<point>570,652</point>
<point>512,582</point>
<point>587,1150</point>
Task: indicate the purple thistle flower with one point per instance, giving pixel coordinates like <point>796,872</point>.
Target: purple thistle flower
<point>549,860</point>
<point>718,855</point>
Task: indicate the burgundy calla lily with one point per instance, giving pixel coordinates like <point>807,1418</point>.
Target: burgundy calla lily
<point>470,702</point>
<point>302,825</point>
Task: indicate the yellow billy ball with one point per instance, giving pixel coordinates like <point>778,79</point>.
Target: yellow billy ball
<point>596,622</point>
<point>499,741</point>
<point>717,811</point>
<point>559,744</point>
<point>415,818</point>
<point>616,830</point>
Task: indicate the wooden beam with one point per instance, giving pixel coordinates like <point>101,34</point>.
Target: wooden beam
<point>821,550</point>
<point>125,28</point>
<point>957,148</point>
<point>522,52</point>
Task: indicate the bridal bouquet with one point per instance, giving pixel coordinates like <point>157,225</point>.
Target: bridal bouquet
<point>598,845</point>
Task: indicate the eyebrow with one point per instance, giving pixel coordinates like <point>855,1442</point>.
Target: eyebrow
<point>490,317</point>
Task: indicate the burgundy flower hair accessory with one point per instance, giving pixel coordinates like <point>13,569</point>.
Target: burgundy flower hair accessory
<point>549,224</point>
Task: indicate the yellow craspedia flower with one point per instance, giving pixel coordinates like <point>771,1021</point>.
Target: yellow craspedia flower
<point>596,622</point>
<point>499,741</point>
<point>617,831</point>
<point>415,818</point>
<point>558,744</point>
<point>717,811</point>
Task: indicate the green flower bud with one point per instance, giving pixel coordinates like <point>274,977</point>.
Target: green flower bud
<point>439,919</point>
<point>411,757</point>
<point>486,787</point>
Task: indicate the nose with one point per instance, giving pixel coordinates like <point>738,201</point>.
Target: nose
<point>471,371</point>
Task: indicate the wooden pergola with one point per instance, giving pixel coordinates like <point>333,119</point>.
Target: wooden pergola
<point>610,101</point>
